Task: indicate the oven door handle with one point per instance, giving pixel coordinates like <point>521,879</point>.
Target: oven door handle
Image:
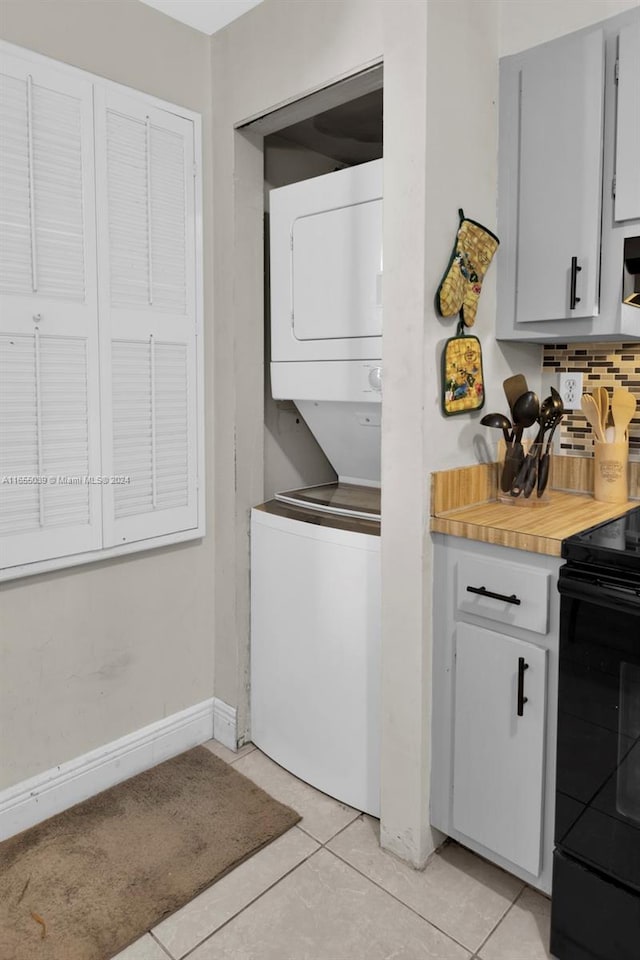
<point>602,593</point>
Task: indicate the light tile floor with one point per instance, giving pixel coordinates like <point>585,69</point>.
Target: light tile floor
<point>326,891</point>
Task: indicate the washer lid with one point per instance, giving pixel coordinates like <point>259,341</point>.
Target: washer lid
<point>346,499</point>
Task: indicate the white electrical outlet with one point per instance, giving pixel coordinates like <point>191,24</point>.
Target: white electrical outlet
<point>570,389</point>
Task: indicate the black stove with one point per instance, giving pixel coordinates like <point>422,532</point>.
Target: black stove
<point>596,880</point>
<point>614,544</point>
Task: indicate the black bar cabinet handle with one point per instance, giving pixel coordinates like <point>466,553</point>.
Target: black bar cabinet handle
<point>522,666</point>
<point>496,596</point>
<point>575,270</point>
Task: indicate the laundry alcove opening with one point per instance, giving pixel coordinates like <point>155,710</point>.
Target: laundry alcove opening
<point>337,127</point>
<point>315,552</point>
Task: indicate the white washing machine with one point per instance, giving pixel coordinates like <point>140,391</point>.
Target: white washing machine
<point>315,638</point>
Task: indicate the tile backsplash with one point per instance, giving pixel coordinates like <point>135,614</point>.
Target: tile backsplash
<point>601,364</point>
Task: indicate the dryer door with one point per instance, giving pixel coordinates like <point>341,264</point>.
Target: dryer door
<point>326,266</point>
<point>337,273</point>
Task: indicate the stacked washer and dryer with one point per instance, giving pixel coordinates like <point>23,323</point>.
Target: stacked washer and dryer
<point>315,552</point>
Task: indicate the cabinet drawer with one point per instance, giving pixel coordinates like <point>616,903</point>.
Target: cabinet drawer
<point>512,583</point>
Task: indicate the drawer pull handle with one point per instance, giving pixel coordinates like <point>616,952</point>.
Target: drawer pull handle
<point>522,666</point>
<point>496,596</point>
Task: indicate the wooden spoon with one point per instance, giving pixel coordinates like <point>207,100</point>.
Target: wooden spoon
<point>623,407</point>
<point>601,396</point>
<point>592,413</point>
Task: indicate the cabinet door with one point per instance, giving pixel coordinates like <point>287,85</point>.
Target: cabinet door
<point>627,201</point>
<point>560,179</point>
<point>49,397</point>
<point>146,243</point>
<point>498,755</point>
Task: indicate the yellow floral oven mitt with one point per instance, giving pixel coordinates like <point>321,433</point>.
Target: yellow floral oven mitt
<point>462,283</point>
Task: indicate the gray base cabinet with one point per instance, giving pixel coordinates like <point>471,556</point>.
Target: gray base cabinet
<point>569,185</point>
<point>494,709</point>
<point>498,747</point>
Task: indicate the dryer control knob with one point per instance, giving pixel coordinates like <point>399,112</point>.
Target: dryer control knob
<point>375,378</point>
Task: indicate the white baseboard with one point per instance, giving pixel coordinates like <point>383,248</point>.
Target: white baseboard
<point>34,800</point>
<point>225,727</point>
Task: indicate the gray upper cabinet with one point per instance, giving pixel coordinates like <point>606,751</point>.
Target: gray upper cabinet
<point>560,114</point>
<point>627,189</point>
<point>569,124</point>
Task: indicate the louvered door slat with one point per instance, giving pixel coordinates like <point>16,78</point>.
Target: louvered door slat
<point>168,227</point>
<point>149,303</point>
<point>127,210</point>
<point>53,447</point>
<point>171,426</point>
<point>15,219</point>
<point>146,173</point>
<point>49,395</point>
<point>132,429</point>
<point>19,504</point>
<point>42,128</point>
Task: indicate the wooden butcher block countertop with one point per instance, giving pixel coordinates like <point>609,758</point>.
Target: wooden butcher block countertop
<point>539,529</point>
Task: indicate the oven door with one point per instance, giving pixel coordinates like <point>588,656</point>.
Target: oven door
<point>598,761</point>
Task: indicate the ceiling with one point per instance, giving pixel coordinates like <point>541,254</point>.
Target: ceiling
<point>204,15</point>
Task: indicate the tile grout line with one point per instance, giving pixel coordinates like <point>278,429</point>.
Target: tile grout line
<point>402,903</point>
<point>321,846</point>
<point>191,950</point>
<point>474,955</point>
<point>502,918</point>
<point>161,945</point>
<point>359,816</point>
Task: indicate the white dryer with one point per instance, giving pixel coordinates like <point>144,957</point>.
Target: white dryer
<point>326,267</point>
<point>326,311</point>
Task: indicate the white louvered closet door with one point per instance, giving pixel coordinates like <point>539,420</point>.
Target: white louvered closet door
<point>145,191</point>
<point>49,395</point>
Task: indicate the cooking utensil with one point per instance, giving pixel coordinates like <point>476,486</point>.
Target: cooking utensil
<point>545,459</point>
<point>601,396</point>
<point>500,422</point>
<point>526,479</point>
<point>623,407</point>
<point>514,387</point>
<point>525,412</point>
<point>592,413</point>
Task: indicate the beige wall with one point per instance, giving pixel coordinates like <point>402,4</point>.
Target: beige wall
<point>93,653</point>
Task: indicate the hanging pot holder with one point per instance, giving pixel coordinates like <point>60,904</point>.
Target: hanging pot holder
<point>462,377</point>
<point>461,285</point>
